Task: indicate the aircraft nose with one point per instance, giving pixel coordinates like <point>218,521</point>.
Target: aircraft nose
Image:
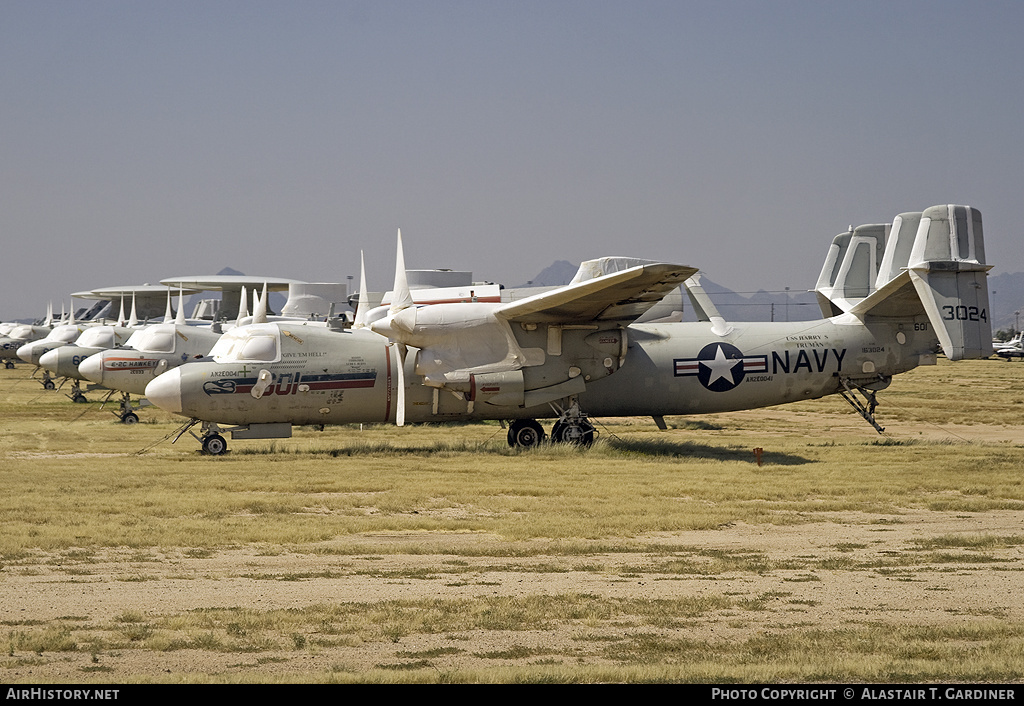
<point>25,353</point>
<point>92,368</point>
<point>50,360</point>
<point>165,390</point>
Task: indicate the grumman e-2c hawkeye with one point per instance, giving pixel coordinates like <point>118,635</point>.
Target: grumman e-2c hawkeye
<point>891,295</point>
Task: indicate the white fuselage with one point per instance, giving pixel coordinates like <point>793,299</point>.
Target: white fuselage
<point>327,377</point>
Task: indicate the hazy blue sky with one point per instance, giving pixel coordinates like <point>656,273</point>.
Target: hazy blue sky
<point>144,140</point>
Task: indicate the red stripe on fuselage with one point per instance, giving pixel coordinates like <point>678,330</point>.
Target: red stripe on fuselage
<point>338,384</point>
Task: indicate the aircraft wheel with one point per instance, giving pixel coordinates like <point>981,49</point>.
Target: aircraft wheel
<point>525,433</point>
<point>129,418</point>
<point>79,398</point>
<point>48,385</point>
<point>580,433</point>
<point>214,445</point>
<point>9,365</point>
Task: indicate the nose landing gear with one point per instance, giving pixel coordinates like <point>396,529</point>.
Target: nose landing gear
<point>209,438</point>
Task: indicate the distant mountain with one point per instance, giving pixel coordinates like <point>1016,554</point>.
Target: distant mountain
<point>762,305</point>
<point>556,274</point>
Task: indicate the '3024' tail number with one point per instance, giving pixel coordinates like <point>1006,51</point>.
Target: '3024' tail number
<point>963,313</point>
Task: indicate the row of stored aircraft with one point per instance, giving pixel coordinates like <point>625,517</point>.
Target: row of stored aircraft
<point>891,296</point>
<point>58,348</point>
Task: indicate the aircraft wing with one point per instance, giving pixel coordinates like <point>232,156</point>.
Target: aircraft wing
<point>623,295</point>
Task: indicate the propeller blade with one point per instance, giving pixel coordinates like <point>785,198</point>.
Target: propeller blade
<point>363,305</point>
<point>243,306</point>
<point>401,298</point>
<point>255,301</point>
<point>401,318</point>
<point>180,318</point>
<point>400,411</point>
<point>259,309</point>
<point>133,320</point>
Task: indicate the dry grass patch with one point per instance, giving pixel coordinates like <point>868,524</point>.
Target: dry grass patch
<point>434,554</point>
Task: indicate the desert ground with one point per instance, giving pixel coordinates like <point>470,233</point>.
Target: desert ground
<point>436,554</point>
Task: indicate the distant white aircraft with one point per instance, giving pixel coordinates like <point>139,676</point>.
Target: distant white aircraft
<point>20,334</point>
<point>1014,348</point>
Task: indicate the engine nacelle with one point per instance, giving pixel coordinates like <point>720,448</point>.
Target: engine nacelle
<point>503,389</point>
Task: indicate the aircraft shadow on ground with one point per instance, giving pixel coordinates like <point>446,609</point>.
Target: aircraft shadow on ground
<point>690,450</point>
<point>685,450</point>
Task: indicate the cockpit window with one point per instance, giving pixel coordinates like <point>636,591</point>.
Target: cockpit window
<point>65,334</point>
<point>261,348</point>
<point>246,344</point>
<point>153,340</point>
<point>97,337</point>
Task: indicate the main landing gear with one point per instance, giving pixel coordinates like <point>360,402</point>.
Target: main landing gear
<point>865,408</point>
<point>572,427</point>
<point>526,433</point>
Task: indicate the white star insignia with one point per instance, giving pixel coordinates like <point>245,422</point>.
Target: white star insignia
<point>720,367</point>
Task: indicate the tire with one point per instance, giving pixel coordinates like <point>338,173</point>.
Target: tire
<point>579,434</point>
<point>79,398</point>
<point>129,418</point>
<point>48,385</point>
<point>214,445</point>
<point>525,433</point>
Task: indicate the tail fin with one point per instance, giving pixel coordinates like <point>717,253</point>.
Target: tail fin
<point>939,273</point>
<point>947,267</point>
<point>898,246</point>
<point>850,271</point>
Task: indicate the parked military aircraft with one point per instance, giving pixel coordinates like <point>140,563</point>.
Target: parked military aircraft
<point>160,347</point>
<point>20,334</point>
<point>890,294</point>
<point>1014,348</point>
<point>63,361</point>
<point>148,301</point>
<point>230,287</point>
<point>69,344</point>
<point>148,352</point>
